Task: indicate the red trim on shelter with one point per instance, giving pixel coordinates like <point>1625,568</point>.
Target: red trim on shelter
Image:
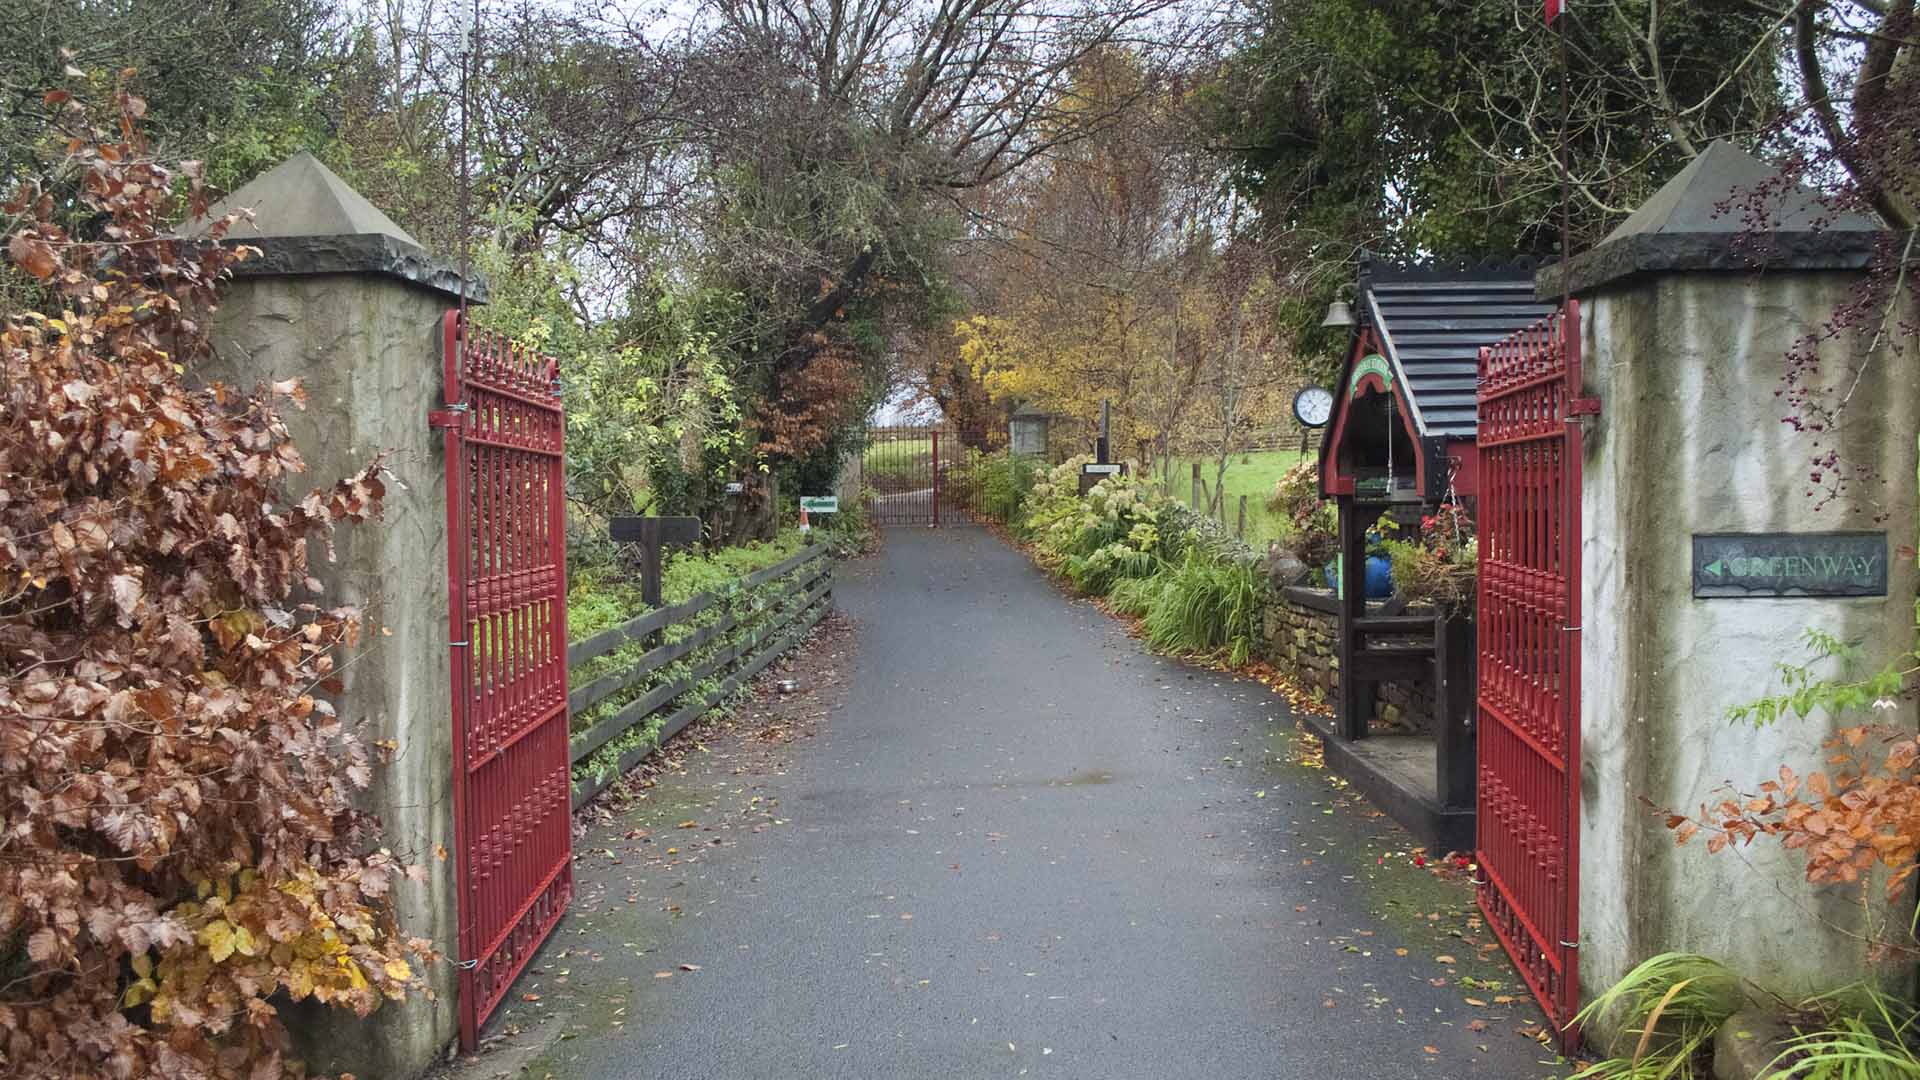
<point>1335,480</point>
<point>1466,482</point>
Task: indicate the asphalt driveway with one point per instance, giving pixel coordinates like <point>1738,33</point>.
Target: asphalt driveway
<point>1014,844</point>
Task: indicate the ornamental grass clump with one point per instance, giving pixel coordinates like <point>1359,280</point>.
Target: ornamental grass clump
<point>1667,1011</point>
<point>1669,1007</point>
<point>179,849</point>
<point>1204,605</point>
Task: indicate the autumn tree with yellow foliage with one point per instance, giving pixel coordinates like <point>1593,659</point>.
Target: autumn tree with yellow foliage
<point>1120,272</point>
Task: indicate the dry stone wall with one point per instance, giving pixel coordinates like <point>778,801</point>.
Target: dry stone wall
<point>1300,637</point>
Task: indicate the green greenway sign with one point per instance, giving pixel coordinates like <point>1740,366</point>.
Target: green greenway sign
<point>820,504</point>
<point>1370,364</point>
<point>1746,565</point>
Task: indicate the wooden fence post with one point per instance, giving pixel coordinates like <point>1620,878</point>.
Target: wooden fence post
<point>1240,529</point>
<point>1197,482</point>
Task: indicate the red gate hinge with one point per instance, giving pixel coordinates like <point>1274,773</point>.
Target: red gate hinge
<point>1583,406</point>
<point>453,416</point>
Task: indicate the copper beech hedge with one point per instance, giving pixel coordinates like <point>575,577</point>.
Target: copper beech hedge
<point>178,845</point>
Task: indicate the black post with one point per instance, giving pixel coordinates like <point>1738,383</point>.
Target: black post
<point>1356,696</point>
<point>1456,706</point>
<point>1102,448</point>
<point>650,561</point>
<point>653,534</point>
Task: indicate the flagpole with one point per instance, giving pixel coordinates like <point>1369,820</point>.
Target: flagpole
<point>1556,22</point>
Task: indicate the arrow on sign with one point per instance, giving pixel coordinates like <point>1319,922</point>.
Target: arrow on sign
<point>1715,567</point>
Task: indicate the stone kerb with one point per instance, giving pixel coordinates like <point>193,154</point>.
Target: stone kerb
<point>344,300</point>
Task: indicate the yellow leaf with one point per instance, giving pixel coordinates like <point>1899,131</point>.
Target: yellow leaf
<point>398,970</point>
<point>217,936</point>
<point>244,942</point>
<point>139,993</point>
<point>143,966</point>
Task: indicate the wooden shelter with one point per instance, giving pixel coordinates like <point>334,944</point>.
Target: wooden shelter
<point>1401,441</point>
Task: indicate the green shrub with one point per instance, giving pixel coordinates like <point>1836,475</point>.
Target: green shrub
<point>1003,480</point>
<point>1309,526</point>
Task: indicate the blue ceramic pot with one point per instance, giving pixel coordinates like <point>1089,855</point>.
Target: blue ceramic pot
<point>1379,577</point>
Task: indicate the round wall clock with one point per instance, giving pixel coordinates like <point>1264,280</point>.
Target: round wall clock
<point>1313,406</point>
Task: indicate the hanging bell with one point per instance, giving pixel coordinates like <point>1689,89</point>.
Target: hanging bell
<point>1338,315</point>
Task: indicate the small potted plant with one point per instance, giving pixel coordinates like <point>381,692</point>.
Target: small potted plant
<point>1378,571</point>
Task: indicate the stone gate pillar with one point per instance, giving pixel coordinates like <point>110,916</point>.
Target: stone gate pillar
<point>1685,346</point>
<point>344,300</point>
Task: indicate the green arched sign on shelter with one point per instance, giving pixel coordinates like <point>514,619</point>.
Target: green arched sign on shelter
<point>1370,364</point>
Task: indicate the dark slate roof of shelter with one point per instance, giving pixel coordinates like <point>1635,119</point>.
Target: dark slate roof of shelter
<point>1434,319</point>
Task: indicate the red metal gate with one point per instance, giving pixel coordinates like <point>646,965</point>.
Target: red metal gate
<point>925,475</point>
<point>506,565</point>
<point>1529,653</point>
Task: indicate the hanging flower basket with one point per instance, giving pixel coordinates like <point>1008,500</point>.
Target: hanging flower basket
<point>1437,565</point>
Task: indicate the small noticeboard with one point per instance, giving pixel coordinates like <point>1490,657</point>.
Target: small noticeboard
<point>1094,472</point>
<point>820,504</point>
<point>1750,565</point>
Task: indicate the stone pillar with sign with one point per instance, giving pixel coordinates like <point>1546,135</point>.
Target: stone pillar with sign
<point>1716,539</point>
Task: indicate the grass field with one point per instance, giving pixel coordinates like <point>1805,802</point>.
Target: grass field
<point>1252,475</point>
<point>898,464</point>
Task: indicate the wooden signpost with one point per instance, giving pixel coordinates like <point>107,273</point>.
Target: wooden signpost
<point>653,534</point>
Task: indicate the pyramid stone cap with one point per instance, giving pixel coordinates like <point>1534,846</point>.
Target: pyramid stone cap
<point>306,220</point>
<point>1698,221</point>
<point>300,197</point>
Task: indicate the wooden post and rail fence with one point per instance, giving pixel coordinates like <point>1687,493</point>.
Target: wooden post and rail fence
<point>803,599</point>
